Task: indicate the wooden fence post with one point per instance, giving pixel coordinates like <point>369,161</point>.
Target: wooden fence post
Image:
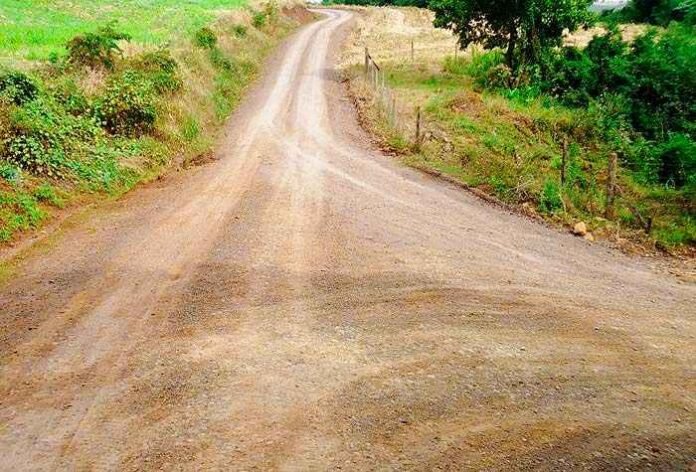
<point>367,61</point>
<point>418,127</point>
<point>564,159</point>
<point>611,185</point>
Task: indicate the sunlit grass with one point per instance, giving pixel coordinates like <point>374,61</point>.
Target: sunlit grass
<point>34,29</point>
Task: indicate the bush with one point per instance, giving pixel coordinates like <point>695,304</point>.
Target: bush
<point>550,197</point>
<point>258,19</point>
<point>70,97</point>
<point>481,67</point>
<point>677,161</point>
<point>127,106</point>
<point>239,31</point>
<point>161,69</point>
<point>18,88</point>
<point>205,38</point>
<point>96,49</point>
<point>10,173</point>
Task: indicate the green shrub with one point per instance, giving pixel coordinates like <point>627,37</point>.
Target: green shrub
<point>239,31</point>
<point>17,87</point>
<point>220,61</point>
<point>482,65</point>
<point>96,49</point>
<point>127,106</point>
<point>46,193</point>
<point>205,38</point>
<point>550,198</point>
<point>10,173</point>
<point>161,69</point>
<point>258,19</point>
<point>70,97</point>
<point>677,160</point>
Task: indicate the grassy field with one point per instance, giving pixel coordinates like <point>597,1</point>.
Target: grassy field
<point>507,145</point>
<point>33,29</point>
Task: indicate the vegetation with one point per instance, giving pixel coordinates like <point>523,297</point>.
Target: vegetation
<point>524,29</point>
<point>38,29</point>
<point>94,120</point>
<point>656,12</point>
<point>540,134</point>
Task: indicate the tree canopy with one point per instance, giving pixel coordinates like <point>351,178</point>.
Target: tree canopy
<point>524,28</point>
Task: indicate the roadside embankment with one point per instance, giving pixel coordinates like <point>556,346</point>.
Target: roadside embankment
<point>108,109</point>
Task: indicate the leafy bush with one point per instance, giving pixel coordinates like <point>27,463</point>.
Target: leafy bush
<point>220,61</point>
<point>161,69</point>
<point>258,19</point>
<point>550,197</point>
<point>205,38</point>
<point>17,87</point>
<point>10,173</point>
<point>677,160</point>
<point>239,31</point>
<point>68,94</point>
<point>644,93</point>
<point>658,12</point>
<point>127,106</point>
<point>96,49</point>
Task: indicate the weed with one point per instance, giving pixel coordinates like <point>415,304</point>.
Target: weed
<point>550,199</point>
<point>96,49</point>
<point>191,129</point>
<point>205,38</point>
<point>17,87</point>
<point>239,31</point>
<point>127,106</point>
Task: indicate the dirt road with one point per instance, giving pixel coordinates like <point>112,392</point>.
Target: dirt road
<point>305,303</point>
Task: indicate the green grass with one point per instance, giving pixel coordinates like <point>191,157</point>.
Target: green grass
<point>33,29</point>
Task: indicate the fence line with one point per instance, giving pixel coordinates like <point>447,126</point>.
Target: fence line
<point>386,100</point>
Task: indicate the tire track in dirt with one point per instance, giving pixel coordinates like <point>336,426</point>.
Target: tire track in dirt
<point>305,303</point>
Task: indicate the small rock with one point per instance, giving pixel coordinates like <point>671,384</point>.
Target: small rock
<point>588,237</point>
<point>580,229</point>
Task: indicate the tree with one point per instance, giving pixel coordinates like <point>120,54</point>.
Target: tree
<point>524,28</point>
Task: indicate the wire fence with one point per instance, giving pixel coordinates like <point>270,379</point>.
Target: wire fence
<point>410,125</point>
<point>386,102</point>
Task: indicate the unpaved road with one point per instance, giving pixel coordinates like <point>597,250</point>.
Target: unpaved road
<point>305,303</point>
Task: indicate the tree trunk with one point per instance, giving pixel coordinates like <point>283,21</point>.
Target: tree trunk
<point>510,53</point>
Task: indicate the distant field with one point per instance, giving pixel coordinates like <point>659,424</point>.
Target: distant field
<point>33,29</point>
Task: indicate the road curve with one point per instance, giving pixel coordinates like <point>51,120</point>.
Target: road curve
<point>304,302</point>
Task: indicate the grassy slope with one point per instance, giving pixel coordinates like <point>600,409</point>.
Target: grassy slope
<point>510,146</point>
<point>33,29</point>
<point>107,165</point>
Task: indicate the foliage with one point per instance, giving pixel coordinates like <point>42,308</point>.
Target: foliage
<point>524,28</point>
<point>17,87</point>
<point>205,38</point>
<point>648,87</point>
<point>550,199</point>
<point>239,31</point>
<point>268,14</point>
<point>127,106</point>
<point>657,12</point>
<point>161,69</point>
<point>96,49</point>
